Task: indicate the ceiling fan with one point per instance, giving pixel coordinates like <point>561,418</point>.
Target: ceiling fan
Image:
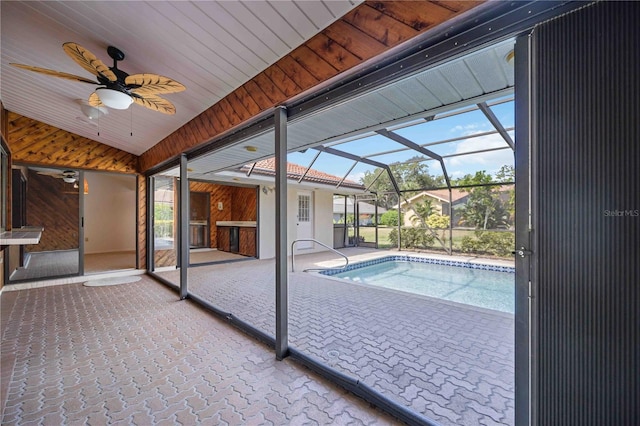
<point>120,89</point>
<point>69,176</point>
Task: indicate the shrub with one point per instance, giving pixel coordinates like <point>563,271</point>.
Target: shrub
<point>412,238</point>
<point>484,242</point>
<point>437,221</point>
<point>389,218</point>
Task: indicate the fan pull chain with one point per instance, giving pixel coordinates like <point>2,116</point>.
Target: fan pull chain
<point>131,123</point>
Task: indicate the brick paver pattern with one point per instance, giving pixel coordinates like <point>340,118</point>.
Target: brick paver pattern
<point>453,363</point>
<point>135,354</point>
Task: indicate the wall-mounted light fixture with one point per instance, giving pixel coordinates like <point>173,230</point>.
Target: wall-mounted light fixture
<point>510,57</point>
<point>266,190</point>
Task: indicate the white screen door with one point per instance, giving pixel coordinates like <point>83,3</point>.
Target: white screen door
<point>304,219</point>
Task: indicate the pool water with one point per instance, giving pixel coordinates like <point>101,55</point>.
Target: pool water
<point>477,287</point>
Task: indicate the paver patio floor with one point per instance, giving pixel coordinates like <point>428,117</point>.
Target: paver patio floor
<point>450,362</point>
<point>132,354</point>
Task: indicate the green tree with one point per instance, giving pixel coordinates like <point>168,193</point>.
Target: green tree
<point>409,175</point>
<point>423,211</point>
<point>163,219</point>
<point>484,208</point>
<point>508,174</point>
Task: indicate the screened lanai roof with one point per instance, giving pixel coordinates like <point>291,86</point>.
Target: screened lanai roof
<point>455,118</point>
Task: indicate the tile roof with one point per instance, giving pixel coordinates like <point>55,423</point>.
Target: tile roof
<point>295,171</point>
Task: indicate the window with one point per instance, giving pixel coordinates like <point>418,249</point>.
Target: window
<point>304,202</point>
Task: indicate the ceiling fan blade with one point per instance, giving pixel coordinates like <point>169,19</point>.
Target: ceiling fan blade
<point>95,101</point>
<point>54,73</point>
<point>152,84</point>
<point>88,61</point>
<point>156,103</point>
<point>54,174</point>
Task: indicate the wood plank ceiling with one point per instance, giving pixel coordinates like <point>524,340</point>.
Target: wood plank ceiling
<point>365,32</point>
<point>211,105</point>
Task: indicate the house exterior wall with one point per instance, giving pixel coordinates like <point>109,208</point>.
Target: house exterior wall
<point>322,220</point>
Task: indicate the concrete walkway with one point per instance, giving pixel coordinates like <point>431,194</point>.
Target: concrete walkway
<point>450,362</point>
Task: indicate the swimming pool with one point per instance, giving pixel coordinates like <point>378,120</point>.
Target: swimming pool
<point>487,286</point>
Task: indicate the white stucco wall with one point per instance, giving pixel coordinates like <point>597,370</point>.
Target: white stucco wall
<point>110,213</point>
<point>322,218</point>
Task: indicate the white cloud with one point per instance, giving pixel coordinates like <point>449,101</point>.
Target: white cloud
<point>356,177</point>
<point>467,128</point>
<point>490,161</point>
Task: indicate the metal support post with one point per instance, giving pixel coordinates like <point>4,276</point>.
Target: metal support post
<point>183,217</point>
<point>282,291</point>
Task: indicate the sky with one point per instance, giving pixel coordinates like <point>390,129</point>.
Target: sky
<point>462,126</point>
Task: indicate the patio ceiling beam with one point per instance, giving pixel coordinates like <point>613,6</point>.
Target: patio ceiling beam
<point>414,146</point>
<point>253,166</point>
<point>309,167</point>
<point>458,138</point>
<point>374,180</point>
<point>346,174</point>
<point>362,160</point>
<point>486,110</point>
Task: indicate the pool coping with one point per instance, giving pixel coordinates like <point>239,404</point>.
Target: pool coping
<point>418,259</point>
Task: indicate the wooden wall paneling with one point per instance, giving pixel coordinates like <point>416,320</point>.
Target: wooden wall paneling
<point>191,133</point>
<point>162,258</point>
<point>456,5</point>
<point>414,14</point>
<point>383,28</point>
<point>312,62</point>
<point>247,243</point>
<point>20,126</point>
<point>205,125</point>
<point>296,72</point>
<point>228,110</point>
<point>282,81</point>
<point>244,204</point>
<point>258,96</point>
<point>55,205</point>
<point>247,101</point>
<point>221,117</point>
<point>33,142</point>
<point>269,88</point>
<point>217,193</point>
<point>359,43</point>
<point>332,53</point>
<point>214,124</point>
<point>223,239</point>
<point>142,222</point>
<point>4,121</point>
<point>239,108</point>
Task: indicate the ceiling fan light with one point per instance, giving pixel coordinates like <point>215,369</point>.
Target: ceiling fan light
<point>69,179</point>
<point>113,98</point>
<point>91,112</point>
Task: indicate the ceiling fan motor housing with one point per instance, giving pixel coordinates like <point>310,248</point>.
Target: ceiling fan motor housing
<point>69,176</point>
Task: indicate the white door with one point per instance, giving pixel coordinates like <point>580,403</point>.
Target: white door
<point>304,219</point>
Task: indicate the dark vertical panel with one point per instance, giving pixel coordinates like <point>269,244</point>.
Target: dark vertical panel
<point>525,330</point>
<point>588,142</point>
